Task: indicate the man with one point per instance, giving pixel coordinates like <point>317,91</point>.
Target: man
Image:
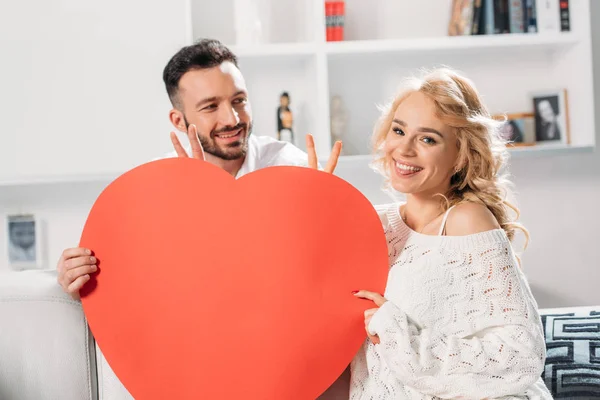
<point>210,102</point>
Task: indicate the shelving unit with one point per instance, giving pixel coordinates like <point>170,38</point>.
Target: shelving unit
<point>388,40</point>
<point>385,41</point>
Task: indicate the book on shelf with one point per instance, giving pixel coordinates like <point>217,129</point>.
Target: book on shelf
<point>487,17</point>
<point>334,20</point>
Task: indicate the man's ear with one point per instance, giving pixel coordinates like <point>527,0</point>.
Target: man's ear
<point>177,119</point>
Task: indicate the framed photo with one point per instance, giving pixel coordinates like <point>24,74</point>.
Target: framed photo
<point>23,233</point>
<point>519,128</point>
<point>551,117</point>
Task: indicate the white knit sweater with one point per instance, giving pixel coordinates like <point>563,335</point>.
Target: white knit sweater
<point>460,321</point>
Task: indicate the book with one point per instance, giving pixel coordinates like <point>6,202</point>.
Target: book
<point>565,20</point>
<point>516,16</point>
<point>530,16</point>
<point>501,16</point>
<point>548,16</point>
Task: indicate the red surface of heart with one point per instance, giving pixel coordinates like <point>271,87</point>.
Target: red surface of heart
<point>215,288</point>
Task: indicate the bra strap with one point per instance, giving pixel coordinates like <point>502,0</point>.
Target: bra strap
<point>443,227</point>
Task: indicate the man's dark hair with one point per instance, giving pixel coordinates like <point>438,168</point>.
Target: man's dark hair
<point>205,53</point>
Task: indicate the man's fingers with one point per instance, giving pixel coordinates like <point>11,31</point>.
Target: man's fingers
<point>78,262</point>
<point>177,146</point>
<point>312,154</point>
<point>333,157</point>
<point>74,288</point>
<point>73,274</point>
<point>74,252</point>
<point>197,150</point>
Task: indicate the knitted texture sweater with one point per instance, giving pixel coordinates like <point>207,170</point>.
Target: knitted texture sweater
<point>460,321</point>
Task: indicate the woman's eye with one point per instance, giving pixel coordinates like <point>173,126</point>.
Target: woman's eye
<point>398,131</point>
<point>429,140</point>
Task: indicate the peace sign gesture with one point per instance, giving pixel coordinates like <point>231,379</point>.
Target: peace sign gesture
<point>192,134</point>
<point>312,155</point>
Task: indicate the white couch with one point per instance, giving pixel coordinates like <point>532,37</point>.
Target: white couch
<point>48,353</point>
<point>46,349</point>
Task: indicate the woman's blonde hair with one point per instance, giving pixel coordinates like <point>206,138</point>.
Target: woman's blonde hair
<point>481,152</point>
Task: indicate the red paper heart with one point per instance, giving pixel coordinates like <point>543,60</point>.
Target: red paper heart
<point>216,288</point>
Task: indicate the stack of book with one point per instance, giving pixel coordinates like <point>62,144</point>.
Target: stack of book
<point>490,17</point>
<point>334,20</point>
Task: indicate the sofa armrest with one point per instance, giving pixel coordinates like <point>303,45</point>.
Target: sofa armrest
<point>46,349</point>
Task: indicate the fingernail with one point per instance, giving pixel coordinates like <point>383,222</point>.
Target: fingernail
<point>93,259</point>
<point>88,252</point>
<point>354,291</point>
<point>94,268</point>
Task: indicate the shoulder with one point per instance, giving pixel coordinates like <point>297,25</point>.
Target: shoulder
<point>387,213</point>
<point>272,152</point>
<point>470,218</point>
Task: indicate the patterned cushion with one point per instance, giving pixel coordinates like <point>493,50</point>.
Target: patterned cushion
<point>573,352</point>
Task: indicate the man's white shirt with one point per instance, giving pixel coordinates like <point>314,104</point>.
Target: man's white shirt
<point>264,151</point>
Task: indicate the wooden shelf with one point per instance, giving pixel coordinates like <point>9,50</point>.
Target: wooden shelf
<point>515,152</point>
<point>420,45</point>
<point>275,50</point>
<point>453,43</point>
<point>56,180</point>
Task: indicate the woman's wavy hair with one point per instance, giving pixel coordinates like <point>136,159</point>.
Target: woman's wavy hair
<point>482,153</point>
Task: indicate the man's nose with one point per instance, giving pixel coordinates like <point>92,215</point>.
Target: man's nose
<point>229,116</point>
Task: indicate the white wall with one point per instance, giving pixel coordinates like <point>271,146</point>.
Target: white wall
<point>558,197</point>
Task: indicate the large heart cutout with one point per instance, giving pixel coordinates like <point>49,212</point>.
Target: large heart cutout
<point>215,288</point>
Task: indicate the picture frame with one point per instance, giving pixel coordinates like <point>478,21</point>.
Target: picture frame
<point>518,129</point>
<point>551,111</point>
<point>23,242</point>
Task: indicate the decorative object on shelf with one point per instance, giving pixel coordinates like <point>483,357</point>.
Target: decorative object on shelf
<point>23,233</point>
<point>285,119</point>
<point>487,17</point>
<point>565,19</point>
<point>551,116</point>
<point>461,18</point>
<point>339,119</point>
<point>519,128</point>
<point>548,16</point>
<point>334,20</point>
<point>250,22</point>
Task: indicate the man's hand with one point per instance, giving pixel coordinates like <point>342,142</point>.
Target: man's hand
<point>74,268</point>
<point>312,155</point>
<point>192,134</point>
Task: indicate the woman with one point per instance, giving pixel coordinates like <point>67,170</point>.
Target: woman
<point>458,319</point>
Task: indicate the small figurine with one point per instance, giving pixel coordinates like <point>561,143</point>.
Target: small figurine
<point>285,119</point>
<point>339,118</point>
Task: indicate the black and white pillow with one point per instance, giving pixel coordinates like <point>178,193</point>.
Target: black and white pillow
<point>572,336</point>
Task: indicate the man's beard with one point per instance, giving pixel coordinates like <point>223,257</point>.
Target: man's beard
<point>230,151</point>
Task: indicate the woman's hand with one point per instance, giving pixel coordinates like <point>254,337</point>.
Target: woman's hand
<point>379,300</point>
